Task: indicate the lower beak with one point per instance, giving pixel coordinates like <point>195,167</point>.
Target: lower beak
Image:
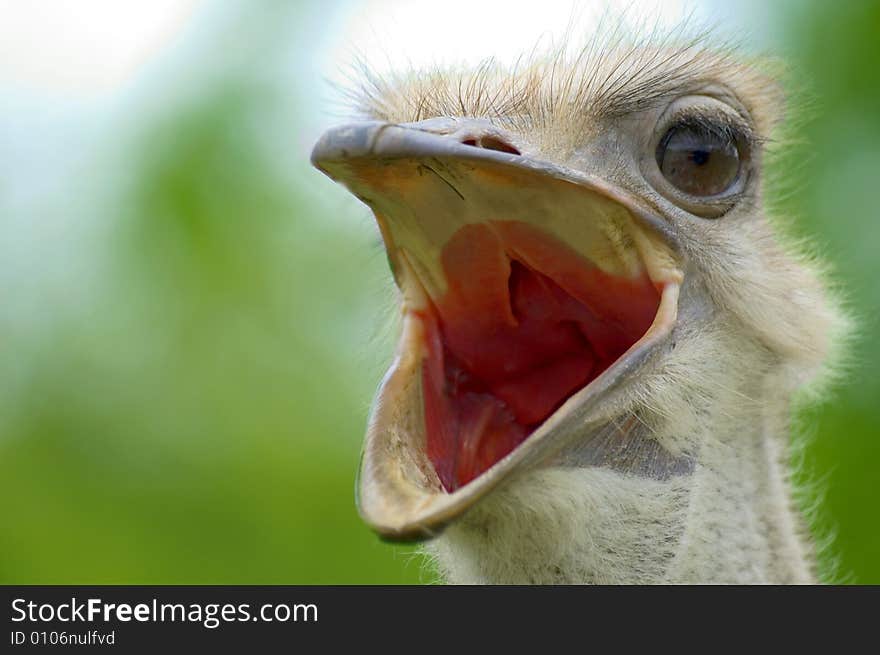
<point>458,221</point>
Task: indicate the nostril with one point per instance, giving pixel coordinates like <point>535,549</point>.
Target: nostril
<point>491,143</point>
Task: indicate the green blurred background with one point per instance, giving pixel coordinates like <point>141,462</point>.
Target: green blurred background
<point>193,321</point>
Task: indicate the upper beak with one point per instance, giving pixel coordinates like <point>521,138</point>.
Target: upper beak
<point>426,182</point>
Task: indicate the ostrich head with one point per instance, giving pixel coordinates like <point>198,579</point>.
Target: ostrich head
<point>601,327</point>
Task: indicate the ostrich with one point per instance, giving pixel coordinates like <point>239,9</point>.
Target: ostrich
<point>602,327</point>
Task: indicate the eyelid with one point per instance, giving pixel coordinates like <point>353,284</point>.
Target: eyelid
<point>726,124</point>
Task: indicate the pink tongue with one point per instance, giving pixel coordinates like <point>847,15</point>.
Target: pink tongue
<point>507,345</point>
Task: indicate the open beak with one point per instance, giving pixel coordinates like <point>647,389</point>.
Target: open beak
<point>529,292</point>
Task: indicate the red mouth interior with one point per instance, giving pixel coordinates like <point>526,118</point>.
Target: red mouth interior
<point>524,324</point>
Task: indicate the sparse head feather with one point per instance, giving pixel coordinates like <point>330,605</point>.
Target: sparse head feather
<point>565,88</point>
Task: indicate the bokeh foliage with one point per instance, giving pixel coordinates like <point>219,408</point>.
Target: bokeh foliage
<point>833,51</point>
<point>198,416</point>
<point>195,415</point>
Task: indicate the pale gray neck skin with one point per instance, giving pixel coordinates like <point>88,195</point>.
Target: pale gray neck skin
<point>723,514</point>
<point>740,525</point>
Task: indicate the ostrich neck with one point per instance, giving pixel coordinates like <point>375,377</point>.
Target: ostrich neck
<point>727,519</point>
<point>740,525</point>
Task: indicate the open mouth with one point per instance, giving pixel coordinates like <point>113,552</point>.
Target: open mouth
<point>525,323</point>
<point>530,291</point>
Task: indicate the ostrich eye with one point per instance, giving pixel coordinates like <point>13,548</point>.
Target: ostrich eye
<point>698,161</point>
